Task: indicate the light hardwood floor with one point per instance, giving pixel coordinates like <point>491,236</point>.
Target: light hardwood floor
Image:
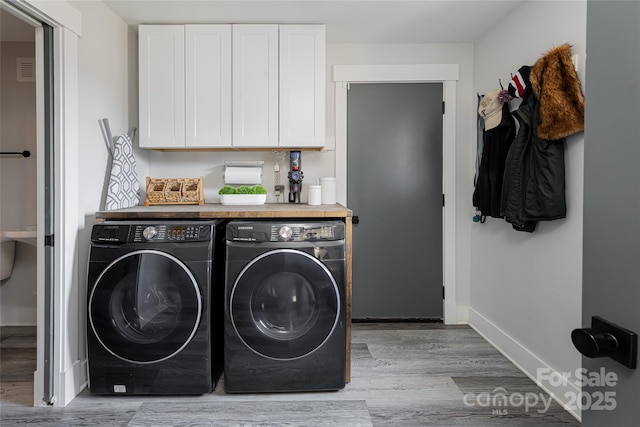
<point>403,374</point>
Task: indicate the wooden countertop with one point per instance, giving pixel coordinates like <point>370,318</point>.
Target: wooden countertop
<point>216,210</point>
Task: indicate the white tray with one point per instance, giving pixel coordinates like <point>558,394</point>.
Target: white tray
<point>243,199</point>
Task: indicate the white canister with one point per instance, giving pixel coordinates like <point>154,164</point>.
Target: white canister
<point>328,185</point>
<point>315,195</point>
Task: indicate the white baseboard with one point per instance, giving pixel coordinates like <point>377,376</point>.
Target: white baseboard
<point>73,382</point>
<point>455,314</point>
<point>38,386</point>
<point>463,314</point>
<point>450,312</point>
<point>526,361</point>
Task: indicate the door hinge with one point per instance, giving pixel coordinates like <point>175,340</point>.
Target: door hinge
<point>443,200</point>
<point>443,107</point>
<point>443,293</point>
<point>49,240</point>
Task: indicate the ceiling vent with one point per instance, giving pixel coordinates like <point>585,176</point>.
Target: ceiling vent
<point>26,69</point>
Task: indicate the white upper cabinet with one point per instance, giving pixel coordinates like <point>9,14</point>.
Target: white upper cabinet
<point>255,85</point>
<point>185,86</point>
<point>234,86</point>
<point>161,86</point>
<point>302,85</point>
<point>208,85</point>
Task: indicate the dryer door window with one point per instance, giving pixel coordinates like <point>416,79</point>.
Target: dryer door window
<point>284,304</point>
<point>145,307</point>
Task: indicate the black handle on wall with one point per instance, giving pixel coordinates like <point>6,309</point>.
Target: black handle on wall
<point>355,219</point>
<point>604,339</point>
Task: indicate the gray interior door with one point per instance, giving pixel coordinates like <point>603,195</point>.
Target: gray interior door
<point>611,255</point>
<point>394,187</point>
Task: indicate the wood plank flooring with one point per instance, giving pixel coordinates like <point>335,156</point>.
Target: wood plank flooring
<point>403,374</point>
<point>17,364</point>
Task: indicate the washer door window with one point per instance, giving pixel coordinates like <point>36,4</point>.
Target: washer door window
<point>145,307</point>
<point>284,304</point>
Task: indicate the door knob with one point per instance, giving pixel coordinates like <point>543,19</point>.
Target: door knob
<point>593,343</point>
<point>604,339</point>
<point>355,219</point>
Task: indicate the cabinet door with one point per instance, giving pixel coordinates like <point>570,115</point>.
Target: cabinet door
<point>161,86</point>
<point>255,85</point>
<point>302,85</point>
<point>208,85</point>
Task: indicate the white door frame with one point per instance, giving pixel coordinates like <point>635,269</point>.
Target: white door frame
<point>69,372</point>
<point>448,75</point>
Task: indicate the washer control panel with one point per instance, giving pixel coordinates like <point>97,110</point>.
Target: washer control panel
<point>257,231</point>
<point>150,232</point>
<point>167,233</point>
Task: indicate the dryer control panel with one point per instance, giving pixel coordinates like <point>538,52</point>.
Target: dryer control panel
<point>258,231</point>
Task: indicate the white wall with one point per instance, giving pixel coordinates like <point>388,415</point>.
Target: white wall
<point>104,87</point>
<point>18,183</point>
<point>526,288</point>
<point>210,165</point>
<point>103,91</point>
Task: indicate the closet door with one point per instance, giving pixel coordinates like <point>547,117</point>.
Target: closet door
<point>255,85</point>
<point>208,85</point>
<point>161,81</point>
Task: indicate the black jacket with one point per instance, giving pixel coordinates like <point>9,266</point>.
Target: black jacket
<point>534,187</point>
<point>487,195</point>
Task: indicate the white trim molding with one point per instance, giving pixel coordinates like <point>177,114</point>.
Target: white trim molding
<point>68,306</point>
<point>54,13</point>
<point>396,73</point>
<point>69,373</point>
<point>524,359</point>
<point>448,75</point>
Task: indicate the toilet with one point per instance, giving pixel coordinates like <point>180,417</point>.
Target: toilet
<point>7,255</point>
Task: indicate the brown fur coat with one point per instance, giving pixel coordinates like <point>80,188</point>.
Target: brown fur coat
<point>556,85</point>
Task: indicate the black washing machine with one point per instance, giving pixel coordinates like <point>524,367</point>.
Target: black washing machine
<point>285,326</point>
<point>152,328</point>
